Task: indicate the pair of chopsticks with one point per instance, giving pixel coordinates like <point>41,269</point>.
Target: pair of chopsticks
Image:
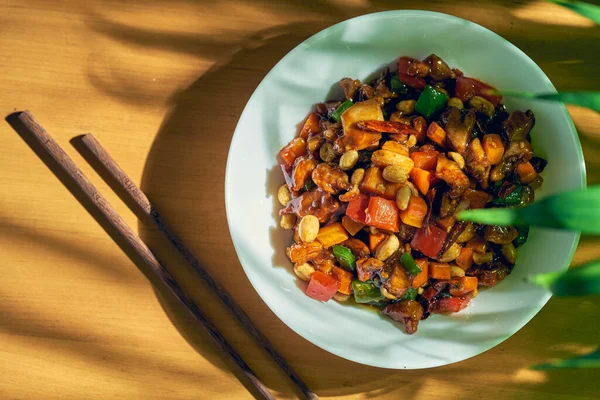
<point>26,121</point>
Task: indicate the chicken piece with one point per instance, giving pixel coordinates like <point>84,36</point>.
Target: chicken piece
<point>450,172</point>
<point>518,125</point>
<point>353,137</point>
<point>302,252</point>
<point>350,87</point>
<point>398,282</point>
<point>382,90</point>
<point>313,202</point>
<point>518,151</point>
<point>477,163</point>
<point>407,312</point>
<point>325,109</point>
<point>406,233</point>
<point>358,248</point>
<point>324,261</point>
<point>365,92</point>
<point>457,132</point>
<point>303,168</point>
<point>330,179</point>
<point>387,127</point>
<point>366,268</point>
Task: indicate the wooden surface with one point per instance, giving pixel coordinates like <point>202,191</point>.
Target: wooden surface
<point>161,84</point>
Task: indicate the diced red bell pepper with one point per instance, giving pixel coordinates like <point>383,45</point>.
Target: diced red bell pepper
<point>413,81</point>
<point>425,159</point>
<point>383,214</point>
<point>451,304</point>
<point>403,64</point>
<point>356,208</point>
<point>429,241</point>
<point>322,287</point>
<point>469,87</point>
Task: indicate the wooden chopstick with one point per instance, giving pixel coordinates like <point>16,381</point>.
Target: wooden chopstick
<point>33,128</point>
<point>146,210</point>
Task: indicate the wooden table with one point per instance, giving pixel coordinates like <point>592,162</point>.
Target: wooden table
<point>161,84</point>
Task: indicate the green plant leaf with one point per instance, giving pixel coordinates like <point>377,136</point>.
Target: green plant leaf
<point>577,210</point>
<point>587,10</point>
<point>591,360</point>
<point>590,100</point>
<point>578,281</point>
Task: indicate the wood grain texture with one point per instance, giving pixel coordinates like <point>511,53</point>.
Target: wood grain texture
<point>107,167</point>
<point>29,128</point>
<point>161,85</point>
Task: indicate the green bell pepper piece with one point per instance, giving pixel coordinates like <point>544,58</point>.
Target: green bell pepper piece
<point>522,238</point>
<point>409,264</point>
<point>512,199</point>
<point>308,185</point>
<point>337,114</point>
<point>430,101</point>
<point>397,86</point>
<point>410,294</point>
<point>366,292</point>
<point>345,257</point>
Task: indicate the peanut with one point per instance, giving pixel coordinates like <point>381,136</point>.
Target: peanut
<point>402,197</point>
<point>485,258</point>
<point>387,294</point>
<point>341,297</point>
<point>304,271</point>
<point>411,141</point>
<point>456,102</point>
<point>456,272</point>
<point>458,158</point>
<point>348,160</point>
<point>509,252</point>
<point>482,105</point>
<point>451,253</point>
<point>308,228</point>
<point>383,158</point>
<point>467,234</point>
<point>357,176</point>
<point>287,221</point>
<point>388,247</point>
<point>283,195</point>
<point>406,107</point>
<point>395,174</point>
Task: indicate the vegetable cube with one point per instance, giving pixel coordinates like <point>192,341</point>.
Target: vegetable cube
<point>383,214</point>
<point>322,287</point>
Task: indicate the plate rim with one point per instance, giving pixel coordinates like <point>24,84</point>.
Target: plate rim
<point>394,14</point>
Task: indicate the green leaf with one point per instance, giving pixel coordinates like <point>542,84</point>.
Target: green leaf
<point>578,281</point>
<point>587,10</point>
<point>591,360</point>
<point>590,100</point>
<point>577,210</point>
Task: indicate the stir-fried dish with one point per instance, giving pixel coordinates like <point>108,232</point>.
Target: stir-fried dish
<point>373,183</point>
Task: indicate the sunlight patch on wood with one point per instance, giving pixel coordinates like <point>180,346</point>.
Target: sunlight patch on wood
<point>551,14</point>
<point>525,375</point>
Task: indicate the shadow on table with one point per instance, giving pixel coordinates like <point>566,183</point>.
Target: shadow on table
<point>194,139</point>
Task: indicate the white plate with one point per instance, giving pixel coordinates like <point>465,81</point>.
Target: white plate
<point>359,48</point>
